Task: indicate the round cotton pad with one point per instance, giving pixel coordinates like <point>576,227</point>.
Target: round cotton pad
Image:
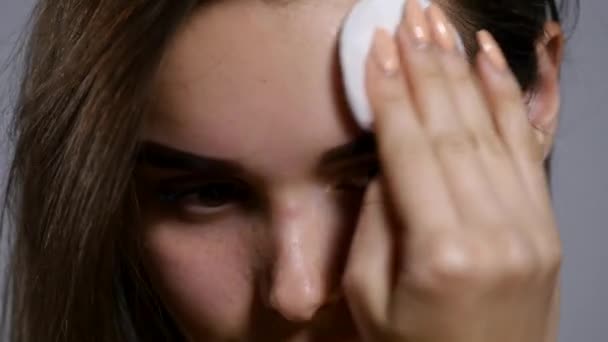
<point>355,42</point>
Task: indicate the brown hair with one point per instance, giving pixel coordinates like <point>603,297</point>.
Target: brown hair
<point>75,271</point>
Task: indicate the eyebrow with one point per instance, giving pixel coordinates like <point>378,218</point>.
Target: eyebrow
<point>363,145</point>
<point>165,157</point>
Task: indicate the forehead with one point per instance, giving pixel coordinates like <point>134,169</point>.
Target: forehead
<point>248,71</point>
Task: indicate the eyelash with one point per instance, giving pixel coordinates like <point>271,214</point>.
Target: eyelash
<point>212,196</point>
<point>358,180</point>
<point>215,196</point>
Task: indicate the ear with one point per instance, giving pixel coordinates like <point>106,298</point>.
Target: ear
<point>545,100</point>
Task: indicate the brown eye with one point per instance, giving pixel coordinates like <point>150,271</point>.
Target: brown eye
<point>209,195</point>
<point>217,195</point>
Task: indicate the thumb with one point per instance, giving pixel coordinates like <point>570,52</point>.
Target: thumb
<point>368,274</point>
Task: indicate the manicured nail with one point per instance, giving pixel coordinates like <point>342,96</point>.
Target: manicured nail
<point>415,24</point>
<point>490,48</point>
<point>444,33</point>
<point>385,52</point>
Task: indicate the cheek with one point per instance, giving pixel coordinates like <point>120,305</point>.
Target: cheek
<point>204,274</point>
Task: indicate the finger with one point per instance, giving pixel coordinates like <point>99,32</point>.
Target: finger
<point>414,179</point>
<point>474,111</point>
<point>368,272</point>
<point>506,101</point>
<point>466,96</point>
<point>453,143</point>
<point>505,97</point>
<point>425,77</point>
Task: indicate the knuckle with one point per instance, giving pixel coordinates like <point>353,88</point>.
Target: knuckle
<point>454,142</point>
<point>392,104</point>
<point>490,142</point>
<point>508,88</point>
<point>519,263</point>
<point>394,97</point>
<point>556,256</point>
<point>510,100</point>
<point>412,145</point>
<point>548,247</point>
<point>551,258</point>
<point>459,71</point>
<point>445,263</point>
<point>430,70</point>
<point>508,108</point>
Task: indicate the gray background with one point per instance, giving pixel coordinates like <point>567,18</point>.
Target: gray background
<point>580,169</point>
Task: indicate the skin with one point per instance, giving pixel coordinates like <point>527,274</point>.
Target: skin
<point>308,251</point>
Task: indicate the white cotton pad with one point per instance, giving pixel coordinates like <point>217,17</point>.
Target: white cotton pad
<point>355,41</point>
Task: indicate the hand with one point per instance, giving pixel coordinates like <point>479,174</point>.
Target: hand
<point>456,241</point>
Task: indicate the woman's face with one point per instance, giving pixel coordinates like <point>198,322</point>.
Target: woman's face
<point>253,174</point>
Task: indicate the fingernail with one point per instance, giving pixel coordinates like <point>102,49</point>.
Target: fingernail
<point>415,24</point>
<point>385,52</point>
<point>443,32</point>
<point>491,49</point>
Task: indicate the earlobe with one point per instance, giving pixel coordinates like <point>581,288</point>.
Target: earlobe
<point>545,99</point>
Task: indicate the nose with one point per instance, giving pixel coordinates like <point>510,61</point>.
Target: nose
<point>298,290</point>
<point>308,236</point>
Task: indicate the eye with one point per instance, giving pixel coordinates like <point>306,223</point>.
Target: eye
<point>357,178</point>
<point>208,197</point>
